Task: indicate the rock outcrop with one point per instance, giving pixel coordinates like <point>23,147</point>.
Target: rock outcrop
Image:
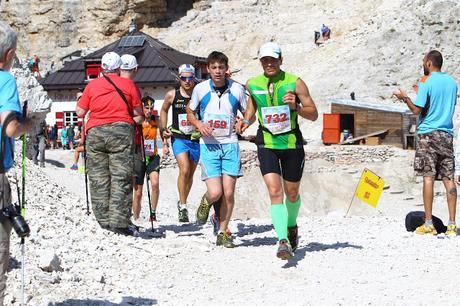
<point>52,29</point>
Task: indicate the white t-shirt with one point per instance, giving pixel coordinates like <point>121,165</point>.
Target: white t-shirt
<point>219,110</point>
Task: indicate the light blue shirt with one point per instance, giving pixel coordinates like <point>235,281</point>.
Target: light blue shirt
<point>437,96</point>
<point>9,101</point>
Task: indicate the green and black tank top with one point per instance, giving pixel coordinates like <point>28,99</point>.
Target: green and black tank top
<point>278,126</point>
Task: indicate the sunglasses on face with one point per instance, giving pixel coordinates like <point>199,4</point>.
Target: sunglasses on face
<point>184,78</point>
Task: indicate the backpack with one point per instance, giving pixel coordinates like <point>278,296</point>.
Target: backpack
<point>416,218</point>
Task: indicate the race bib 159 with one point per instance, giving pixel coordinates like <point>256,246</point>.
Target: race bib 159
<point>220,124</point>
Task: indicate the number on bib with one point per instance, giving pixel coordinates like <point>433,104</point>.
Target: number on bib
<point>277,119</point>
<point>184,125</point>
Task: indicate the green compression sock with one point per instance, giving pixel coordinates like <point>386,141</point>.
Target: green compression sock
<point>279,218</point>
<point>293,211</point>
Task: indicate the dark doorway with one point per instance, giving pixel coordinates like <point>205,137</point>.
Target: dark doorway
<point>347,126</point>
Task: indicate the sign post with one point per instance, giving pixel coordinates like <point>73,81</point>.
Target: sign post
<point>369,189</point>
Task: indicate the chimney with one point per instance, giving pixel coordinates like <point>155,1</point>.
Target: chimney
<point>132,26</point>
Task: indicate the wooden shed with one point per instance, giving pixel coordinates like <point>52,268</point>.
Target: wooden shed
<point>358,121</point>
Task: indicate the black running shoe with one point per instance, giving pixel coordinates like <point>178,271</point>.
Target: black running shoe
<point>293,237</point>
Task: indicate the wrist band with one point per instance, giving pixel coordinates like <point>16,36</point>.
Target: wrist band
<point>247,122</point>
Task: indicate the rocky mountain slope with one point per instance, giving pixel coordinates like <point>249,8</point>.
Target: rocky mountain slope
<point>376,46</point>
<point>52,29</point>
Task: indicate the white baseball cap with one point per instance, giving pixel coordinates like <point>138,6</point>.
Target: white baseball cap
<point>270,49</point>
<point>110,61</point>
<point>186,68</point>
<point>128,62</point>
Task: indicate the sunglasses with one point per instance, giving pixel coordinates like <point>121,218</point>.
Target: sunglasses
<point>184,78</point>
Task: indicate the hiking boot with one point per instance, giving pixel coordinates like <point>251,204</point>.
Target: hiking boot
<point>183,215</point>
<point>284,250</point>
<point>74,167</point>
<point>293,237</point>
<point>451,230</point>
<point>215,224</point>
<point>126,231</point>
<point>202,213</point>
<point>153,217</point>
<point>426,229</point>
<point>225,240</point>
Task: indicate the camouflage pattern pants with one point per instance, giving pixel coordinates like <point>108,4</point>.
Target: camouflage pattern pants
<point>110,151</point>
<point>434,156</point>
<point>5,231</point>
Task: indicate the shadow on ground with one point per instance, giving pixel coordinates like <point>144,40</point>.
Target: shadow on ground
<point>259,241</point>
<point>55,163</point>
<point>317,247</point>
<point>127,301</point>
<point>249,229</point>
<point>13,264</point>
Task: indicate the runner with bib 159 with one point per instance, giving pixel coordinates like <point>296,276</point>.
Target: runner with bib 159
<point>217,101</point>
<point>279,98</point>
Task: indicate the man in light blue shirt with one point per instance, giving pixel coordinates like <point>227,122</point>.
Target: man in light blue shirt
<point>10,126</point>
<point>434,157</point>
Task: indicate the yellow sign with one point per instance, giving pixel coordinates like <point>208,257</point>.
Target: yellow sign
<point>370,188</point>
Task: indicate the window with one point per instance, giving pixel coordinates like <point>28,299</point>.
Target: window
<point>92,70</point>
<point>70,118</point>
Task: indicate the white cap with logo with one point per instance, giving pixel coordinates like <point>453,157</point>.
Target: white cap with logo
<point>270,49</point>
<point>186,68</point>
<point>128,62</point>
<point>110,61</point>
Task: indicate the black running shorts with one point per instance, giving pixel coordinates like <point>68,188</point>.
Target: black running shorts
<point>288,163</point>
<point>140,169</point>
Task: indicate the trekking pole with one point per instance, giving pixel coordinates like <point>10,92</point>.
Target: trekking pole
<point>147,179</point>
<point>23,205</point>
<point>86,179</point>
<point>83,137</point>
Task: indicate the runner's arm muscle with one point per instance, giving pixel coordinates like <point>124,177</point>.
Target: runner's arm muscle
<point>169,98</point>
<point>307,109</point>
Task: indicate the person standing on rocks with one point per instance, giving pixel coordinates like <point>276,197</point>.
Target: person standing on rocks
<point>434,156</point>
<point>113,102</point>
<point>10,110</point>
<point>217,101</point>
<point>279,98</point>
<point>186,150</point>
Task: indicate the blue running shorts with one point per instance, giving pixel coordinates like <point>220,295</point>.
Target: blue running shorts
<point>219,159</point>
<point>184,145</point>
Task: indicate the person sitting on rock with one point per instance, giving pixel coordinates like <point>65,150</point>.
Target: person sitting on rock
<point>325,32</point>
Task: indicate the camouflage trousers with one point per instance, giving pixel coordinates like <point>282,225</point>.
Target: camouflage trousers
<point>434,156</point>
<point>110,151</point>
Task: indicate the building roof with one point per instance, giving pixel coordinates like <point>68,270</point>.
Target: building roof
<point>157,62</point>
<point>381,106</point>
